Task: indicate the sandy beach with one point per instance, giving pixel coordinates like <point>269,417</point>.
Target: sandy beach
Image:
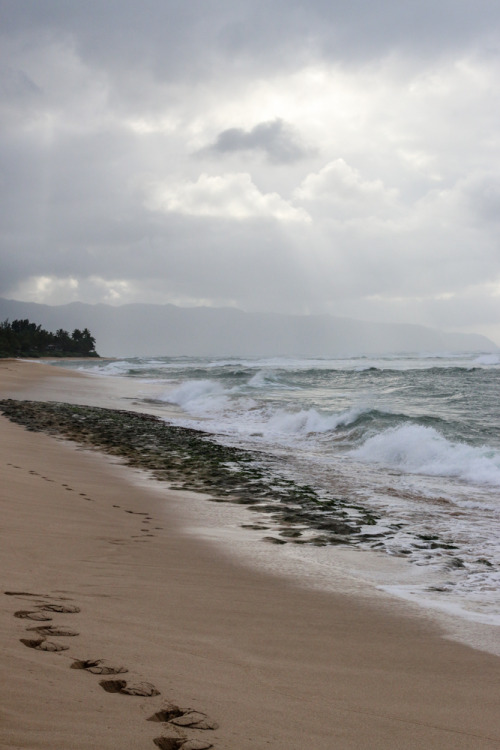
<point>251,660</point>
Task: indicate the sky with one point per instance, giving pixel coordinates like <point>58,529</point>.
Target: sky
<point>319,156</point>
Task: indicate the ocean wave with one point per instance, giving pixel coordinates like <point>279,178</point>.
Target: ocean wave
<point>417,449</point>
<point>198,397</point>
<point>262,379</point>
<point>269,379</point>
<point>487,359</point>
<point>309,421</point>
<point>232,410</point>
<point>120,368</point>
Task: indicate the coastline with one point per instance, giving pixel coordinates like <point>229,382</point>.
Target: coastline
<point>273,664</point>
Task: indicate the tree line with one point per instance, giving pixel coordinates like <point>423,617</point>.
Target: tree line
<point>21,338</point>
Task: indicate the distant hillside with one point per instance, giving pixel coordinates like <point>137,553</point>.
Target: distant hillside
<point>140,330</point>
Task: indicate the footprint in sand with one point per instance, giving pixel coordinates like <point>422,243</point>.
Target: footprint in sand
<point>178,719</point>
<point>23,594</point>
<point>144,689</point>
<point>42,645</point>
<point>64,608</point>
<point>40,612</point>
<point>24,613</point>
<point>53,630</point>
<point>98,666</point>
<point>176,743</point>
<point>182,718</point>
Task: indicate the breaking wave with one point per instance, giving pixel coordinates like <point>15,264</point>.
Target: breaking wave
<point>417,449</point>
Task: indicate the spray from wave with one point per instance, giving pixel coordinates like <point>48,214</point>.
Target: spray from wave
<point>416,449</point>
<point>487,359</point>
<point>199,397</point>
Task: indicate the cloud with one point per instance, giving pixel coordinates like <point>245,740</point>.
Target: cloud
<point>228,196</point>
<point>60,290</point>
<point>275,139</point>
<point>482,194</point>
<point>351,166</point>
<point>340,190</point>
<point>174,41</point>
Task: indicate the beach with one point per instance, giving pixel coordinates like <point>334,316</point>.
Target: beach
<point>256,660</point>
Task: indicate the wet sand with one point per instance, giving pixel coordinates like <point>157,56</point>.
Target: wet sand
<point>264,663</point>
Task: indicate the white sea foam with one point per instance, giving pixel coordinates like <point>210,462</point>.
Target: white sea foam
<point>199,397</point>
<point>232,411</point>
<point>422,450</point>
<point>487,359</point>
<point>114,368</point>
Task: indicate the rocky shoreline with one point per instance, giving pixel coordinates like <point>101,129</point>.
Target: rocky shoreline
<point>193,460</point>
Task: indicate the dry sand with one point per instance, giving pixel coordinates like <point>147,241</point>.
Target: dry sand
<point>275,665</point>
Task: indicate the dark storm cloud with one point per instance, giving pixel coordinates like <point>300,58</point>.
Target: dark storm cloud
<point>176,39</point>
<point>275,139</point>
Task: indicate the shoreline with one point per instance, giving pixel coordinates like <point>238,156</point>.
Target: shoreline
<point>271,663</point>
<point>276,512</point>
<point>363,570</point>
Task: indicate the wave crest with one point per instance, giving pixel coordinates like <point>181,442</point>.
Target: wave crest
<point>416,449</point>
<point>310,421</point>
<point>198,396</point>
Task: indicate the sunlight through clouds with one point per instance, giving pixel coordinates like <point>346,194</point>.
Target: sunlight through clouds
<point>230,196</point>
<point>354,153</point>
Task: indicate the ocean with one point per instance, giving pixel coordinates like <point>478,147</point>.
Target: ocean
<point>415,440</point>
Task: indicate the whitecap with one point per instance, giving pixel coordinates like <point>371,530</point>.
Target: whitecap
<point>416,449</point>
<point>487,359</point>
<point>198,397</point>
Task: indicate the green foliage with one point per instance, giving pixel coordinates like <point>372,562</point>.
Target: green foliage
<point>24,339</point>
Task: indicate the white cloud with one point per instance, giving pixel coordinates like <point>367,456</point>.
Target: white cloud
<point>47,290</point>
<point>338,186</point>
<point>58,290</point>
<point>230,196</point>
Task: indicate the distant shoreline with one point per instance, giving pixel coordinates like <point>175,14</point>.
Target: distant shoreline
<point>146,329</point>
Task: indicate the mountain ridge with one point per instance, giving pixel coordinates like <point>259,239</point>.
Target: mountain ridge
<point>143,329</point>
